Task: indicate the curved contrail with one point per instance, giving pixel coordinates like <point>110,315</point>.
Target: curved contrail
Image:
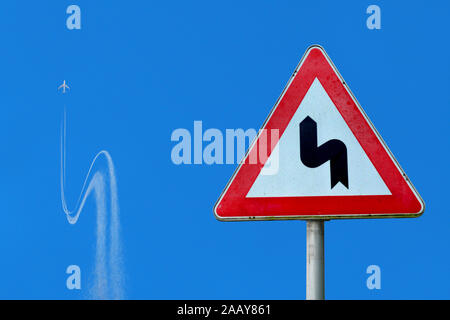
<point>108,282</point>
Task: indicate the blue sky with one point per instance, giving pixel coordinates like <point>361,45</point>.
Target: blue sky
<point>139,70</point>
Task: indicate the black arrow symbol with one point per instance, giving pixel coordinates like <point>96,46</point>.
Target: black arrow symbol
<point>314,156</point>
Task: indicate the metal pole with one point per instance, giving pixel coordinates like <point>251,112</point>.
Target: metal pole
<point>315,277</point>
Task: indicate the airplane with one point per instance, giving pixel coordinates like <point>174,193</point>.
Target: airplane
<point>64,86</point>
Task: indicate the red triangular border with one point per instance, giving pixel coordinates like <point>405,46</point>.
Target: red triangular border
<point>403,201</point>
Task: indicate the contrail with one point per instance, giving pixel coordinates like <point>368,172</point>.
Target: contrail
<point>108,274</point>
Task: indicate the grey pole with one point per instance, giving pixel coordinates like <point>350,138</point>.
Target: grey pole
<point>315,277</point>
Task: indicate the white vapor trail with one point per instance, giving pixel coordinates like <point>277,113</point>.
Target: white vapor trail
<point>108,274</point>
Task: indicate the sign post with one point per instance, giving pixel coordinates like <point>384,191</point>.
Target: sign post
<point>327,161</point>
<point>315,260</point>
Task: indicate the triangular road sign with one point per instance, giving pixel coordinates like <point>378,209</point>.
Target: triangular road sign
<point>323,158</point>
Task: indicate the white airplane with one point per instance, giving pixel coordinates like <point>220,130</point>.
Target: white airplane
<point>64,86</point>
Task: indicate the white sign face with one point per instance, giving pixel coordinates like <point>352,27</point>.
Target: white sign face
<point>294,179</point>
